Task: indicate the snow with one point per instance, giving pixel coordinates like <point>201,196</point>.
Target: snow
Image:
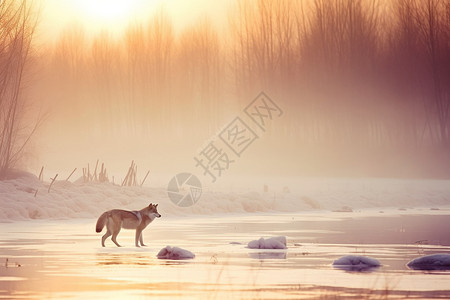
<point>24,197</point>
<point>431,262</point>
<point>356,263</point>
<point>277,242</point>
<point>175,253</point>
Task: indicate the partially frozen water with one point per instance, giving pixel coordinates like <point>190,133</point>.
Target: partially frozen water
<point>61,259</point>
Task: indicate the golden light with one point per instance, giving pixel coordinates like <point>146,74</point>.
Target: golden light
<point>108,10</point>
<point>116,15</point>
<point>95,15</point>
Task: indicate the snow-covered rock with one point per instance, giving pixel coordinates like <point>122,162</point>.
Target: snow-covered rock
<point>277,242</point>
<point>431,262</point>
<point>174,253</point>
<point>356,263</point>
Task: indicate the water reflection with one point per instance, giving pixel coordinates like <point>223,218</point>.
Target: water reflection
<point>107,259</point>
<point>357,268</point>
<point>268,255</point>
<point>170,262</point>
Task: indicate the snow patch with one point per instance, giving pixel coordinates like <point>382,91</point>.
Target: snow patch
<point>175,253</point>
<point>277,242</point>
<point>356,263</point>
<point>431,262</point>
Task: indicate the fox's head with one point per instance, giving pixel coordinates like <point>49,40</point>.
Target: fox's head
<point>153,210</point>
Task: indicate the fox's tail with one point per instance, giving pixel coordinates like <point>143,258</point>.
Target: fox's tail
<point>101,222</point>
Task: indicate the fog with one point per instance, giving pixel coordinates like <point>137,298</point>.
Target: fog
<point>362,86</point>
<point>294,148</point>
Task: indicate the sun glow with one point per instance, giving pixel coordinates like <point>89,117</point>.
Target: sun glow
<point>108,10</point>
<point>116,15</point>
<point>98,15</point>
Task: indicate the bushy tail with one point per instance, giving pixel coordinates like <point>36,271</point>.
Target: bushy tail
<point>101,222</point>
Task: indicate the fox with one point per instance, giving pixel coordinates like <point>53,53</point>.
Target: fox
<point>117,219</point>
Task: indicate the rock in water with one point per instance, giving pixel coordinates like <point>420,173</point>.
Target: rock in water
<point>277,242</point>
<point>356,263</point>
<point>174,253</point>
<point>431,262</point>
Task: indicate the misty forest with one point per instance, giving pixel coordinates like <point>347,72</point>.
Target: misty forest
<point>364,84</point>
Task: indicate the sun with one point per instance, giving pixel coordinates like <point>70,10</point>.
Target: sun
<point>108,13</point>
<point>108,9</point>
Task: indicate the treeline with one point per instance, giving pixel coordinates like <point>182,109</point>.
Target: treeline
<point>362,71</point>
<point>366,71</point>
<point>359,80</point>
<point>135,83</point>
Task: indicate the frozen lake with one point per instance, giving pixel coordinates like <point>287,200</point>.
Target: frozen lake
<point>63,259</point>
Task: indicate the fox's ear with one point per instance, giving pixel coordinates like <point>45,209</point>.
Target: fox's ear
<point>156,205</point>
<point>150,204</point>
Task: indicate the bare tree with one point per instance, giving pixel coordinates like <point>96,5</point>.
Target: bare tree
<point>432,17</point>
<point>405,74</point>
<point>70,52</point>
<point>199,69</point>
<point>339,56</point>
<point>263,39</point>
<point>135,68</point>
<point>104,66</point>
<point>160,44</point>
<point>17,26</point>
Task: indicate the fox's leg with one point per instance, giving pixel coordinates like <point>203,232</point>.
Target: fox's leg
<point>108,232</point>
<point>105,236</point>
<point>141,239</point>
<point>114,235</point>
<point>138,237</point>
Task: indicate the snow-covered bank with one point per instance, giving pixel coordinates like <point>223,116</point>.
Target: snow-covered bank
<point>25,197</point>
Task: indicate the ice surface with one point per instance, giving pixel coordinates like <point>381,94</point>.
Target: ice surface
<point>356,263</point>
<point>63,259</point>
<point>277,242</point>
<point>431,262</point>
<point>174,253</point>
<point>344,209</point>
<point>23,197</point>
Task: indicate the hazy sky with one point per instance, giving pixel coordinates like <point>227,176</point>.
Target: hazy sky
<point>115,15</point>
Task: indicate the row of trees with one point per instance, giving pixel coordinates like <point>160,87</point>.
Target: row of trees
<point>368,69</point>
<point>146,77</point>
<point>373,70</point>
<point>373,73</point>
